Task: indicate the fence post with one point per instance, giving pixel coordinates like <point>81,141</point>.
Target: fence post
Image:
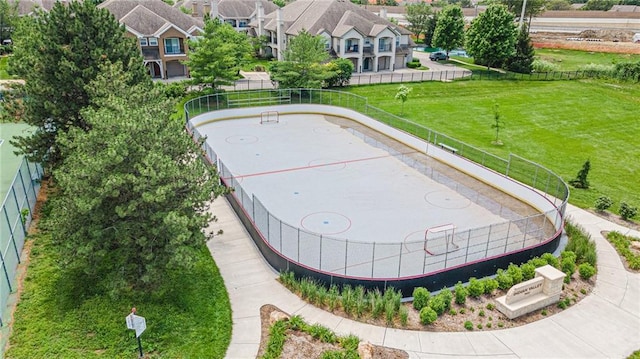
<point>346,250</point>
<point>400,261</point>
<point>24,188</point>
<point>4,265</point>
<point>373,258</point>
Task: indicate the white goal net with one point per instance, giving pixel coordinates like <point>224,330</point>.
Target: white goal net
<point>269,117</point>
<point>439,239</point>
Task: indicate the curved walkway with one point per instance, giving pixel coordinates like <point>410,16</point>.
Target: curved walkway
<point>604,324</point>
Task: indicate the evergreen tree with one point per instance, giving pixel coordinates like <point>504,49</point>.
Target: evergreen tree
<point>134,189</point>
<point>58,53</point>
<point>522,61</point>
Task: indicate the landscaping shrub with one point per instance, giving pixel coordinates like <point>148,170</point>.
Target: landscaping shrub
<point>627,211</point>
<point>348,299</point>
<point>586,271</point>
<point>277,338</point>
<point>479,326</point>
<point>528,271</point>
<point>599,71</point>
<point>627,71</point>
<point>568,265</point>
<point>622,245</point>
<point>515,272</point>
<point>537,262</point>
<point>447,297</point>
<point>460,293</point>
<point>544,66</point>
<point>468,325</point>
<point>349,342</point>
<point>403,313</point>
<point>322,333</point>
<point>420,298</point>
<point>581,244</point>
<point>481,313</point>
<point>505,281</point>
<point>551,259</point>
<point>437,304</point>
<point>297,323</point>
<point>413,65</point>
<point>475,287</point>
<point>333,297</point>
<point>603,203</point>
<point>569,254</point>
<point>491,306</point>
<point>490,285</point>
<point>361,301</point>
<point>428,315</point>
<point>389,311</point>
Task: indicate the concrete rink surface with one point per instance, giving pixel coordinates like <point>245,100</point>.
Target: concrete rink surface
<point>316,175</point>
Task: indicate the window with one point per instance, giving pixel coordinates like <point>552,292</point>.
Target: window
<point>143,41</point>
<point>243,23</point>
<point>172,46</point>
<point>153,41</point>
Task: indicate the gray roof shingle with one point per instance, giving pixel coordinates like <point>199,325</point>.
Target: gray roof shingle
<point>334,16</point>
<point>148,16</point>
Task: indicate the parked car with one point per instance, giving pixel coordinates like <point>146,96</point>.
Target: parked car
<point>438,55</point>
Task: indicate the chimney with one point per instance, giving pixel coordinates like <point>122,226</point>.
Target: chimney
<point>194,8</point>
<point>260,16</point>
<point>214,9</point>
<point>280,34</point>
<point>383,13</point>
<point>206,8</point>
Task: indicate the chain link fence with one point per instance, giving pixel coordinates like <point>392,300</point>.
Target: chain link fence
<point>401,258</point>
<point>422,76</point>
<point>15,218</point>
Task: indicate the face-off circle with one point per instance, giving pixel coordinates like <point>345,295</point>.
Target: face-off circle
<point>327,223</point>
<point>446,200</point>
<point>241,139</point>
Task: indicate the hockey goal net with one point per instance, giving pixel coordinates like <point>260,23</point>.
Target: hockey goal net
<point>268,117</point>
<point>439,239</point>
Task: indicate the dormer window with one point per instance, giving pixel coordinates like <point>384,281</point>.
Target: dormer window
<point>143,41</point>
<point>153,41</point>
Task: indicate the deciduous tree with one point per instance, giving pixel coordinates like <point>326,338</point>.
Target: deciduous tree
<point>491,38</point>
<point>449,32</point>
<point>58,53</point>
<point>418,15</point>
<point>216,57</point>
<point>302,66</point>
<point>134,189</point>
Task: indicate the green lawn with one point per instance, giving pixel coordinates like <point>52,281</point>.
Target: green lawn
<point>571,60</point>
<point>559,124</point>
<point>4,75</point>
<point>58,316</point>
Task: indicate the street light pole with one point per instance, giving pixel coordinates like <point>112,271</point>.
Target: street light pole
<point>524,6</point>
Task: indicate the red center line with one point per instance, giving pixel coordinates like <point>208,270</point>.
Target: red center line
<point>319,165</point>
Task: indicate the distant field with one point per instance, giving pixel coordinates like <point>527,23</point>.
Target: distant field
<point>558,124</point>
<point>571,60</point>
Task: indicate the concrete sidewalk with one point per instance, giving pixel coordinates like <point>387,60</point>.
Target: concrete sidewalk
<point>605,324</point>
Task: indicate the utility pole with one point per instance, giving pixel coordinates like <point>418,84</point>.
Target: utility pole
<point>524,6</point>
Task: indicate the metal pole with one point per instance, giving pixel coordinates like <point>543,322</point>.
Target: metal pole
<point>140,348</point>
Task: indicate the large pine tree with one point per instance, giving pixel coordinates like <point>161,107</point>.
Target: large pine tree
<point>522,61</point>
<point>134,191</point>
<point>58,53</point>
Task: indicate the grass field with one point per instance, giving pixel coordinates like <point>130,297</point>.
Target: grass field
<point>571,60</point>
<point>559,124</point>
<point>59,316</point>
